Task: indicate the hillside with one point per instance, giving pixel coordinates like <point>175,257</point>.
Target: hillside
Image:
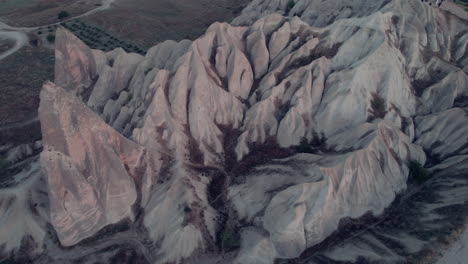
<point>304,132</point>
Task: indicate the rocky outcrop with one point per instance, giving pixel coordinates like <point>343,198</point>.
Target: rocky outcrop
<point>75,66</point>
<point>310,207</point>
<point>451,128</point>
<point>24,214</point>
<point>97,177</point>
<point>283,124</point>
<point>90,167</point>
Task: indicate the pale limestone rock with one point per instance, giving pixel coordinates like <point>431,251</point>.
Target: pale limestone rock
<point>256,46</point>
<point>23,213</point>
<point>443,134</point>
<point>277,81</point>
<point>114,79</point>
<point>367,180</point>
<point>256,248</point>
<point>88,164</point>
<point>101,60</point>
<point>75,66</point>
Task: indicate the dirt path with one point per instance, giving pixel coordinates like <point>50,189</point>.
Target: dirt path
<point>20,39</point>
<point>19,34</point>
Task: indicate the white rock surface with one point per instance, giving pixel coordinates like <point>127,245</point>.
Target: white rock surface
<point>88,164</point>
<point>256,248</point>
<point>363,86</point>
<point>23,212</point>
<point>451,128</point>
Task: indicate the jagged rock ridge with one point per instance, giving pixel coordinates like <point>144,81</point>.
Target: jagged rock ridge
<point>342,105</point>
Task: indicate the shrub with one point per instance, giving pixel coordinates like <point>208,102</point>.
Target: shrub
<point>63,14</point>
<point>51,38</point>
<point>290,5</point>
<point>417,172</point>
<point>230,239</point>
<point>378,108</point>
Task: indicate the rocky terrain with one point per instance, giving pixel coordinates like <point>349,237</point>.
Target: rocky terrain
<point>303,132</point>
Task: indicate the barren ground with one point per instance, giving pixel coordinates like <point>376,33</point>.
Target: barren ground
<point>147,22</point>
<point>40,12</point>
<point>21,78</point>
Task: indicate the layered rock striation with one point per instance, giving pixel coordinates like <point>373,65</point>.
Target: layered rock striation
<point>277,127</point>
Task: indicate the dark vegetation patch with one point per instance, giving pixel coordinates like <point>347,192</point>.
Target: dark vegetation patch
<point>314,54</point>
<point>229,237</point>
<point>378,107</point>
<point>260,153</point>
<point>126,255</point>
<point>290,5</point>
<point>196,156</point>
<point>50,38</point>
<point>4,164</point>
<point>461,101</point>
<point>119,253</point>
<point>62,15</point>
<point>417,173</point>
<point>434,75</point>
<point>98,38</point>
<point>317,144</point>
<point>217,190</point>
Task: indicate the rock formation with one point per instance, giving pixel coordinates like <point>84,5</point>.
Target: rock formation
<point>278,127</point>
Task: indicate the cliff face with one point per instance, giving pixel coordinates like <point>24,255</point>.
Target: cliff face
<point>286,125</point>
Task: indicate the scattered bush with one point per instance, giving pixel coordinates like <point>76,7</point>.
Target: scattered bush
<point>290,5</point>
<point>63,14</point>
<point>417,172</point>
<point>51,38</point>
<point>378,107</point>
<point>230,239</point>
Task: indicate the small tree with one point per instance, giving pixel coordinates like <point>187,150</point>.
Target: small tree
<point>63,14</point>
<point>230,238</point>
<point>378,107</point>
<point>417,172</point>
<point>51,38</point>
<point>290,5</point>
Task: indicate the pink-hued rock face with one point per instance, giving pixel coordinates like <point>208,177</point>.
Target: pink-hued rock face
<point>75,66</point>
<point>279,125</point>
<point>89,167</point>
